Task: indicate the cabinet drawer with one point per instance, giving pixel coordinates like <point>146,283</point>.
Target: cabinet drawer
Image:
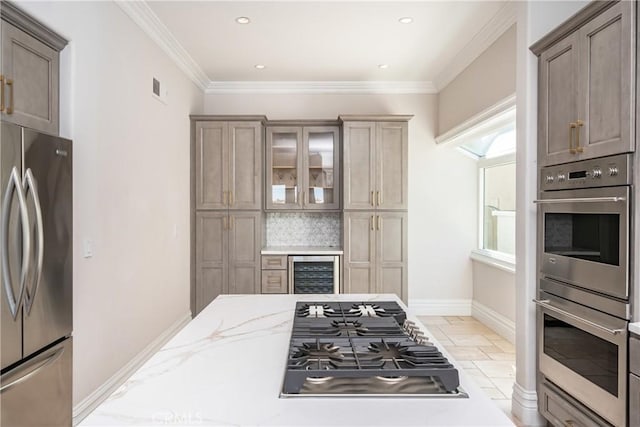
<point>274,262</point>
<point>634,355</point>
<point>560,412</point>
<point>274,281</point>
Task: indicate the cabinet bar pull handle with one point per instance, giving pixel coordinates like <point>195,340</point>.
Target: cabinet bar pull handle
<point>372,222</point>
<point>1,93</point>
<point>230,222</point>
<point>379,199</point>
<point>572,127</point>
<point>579,124</point>
<point>379,222</point>
<point>373,200</point>
<point>273,262</point>
<point>10,107</point>
<point>230,198</point>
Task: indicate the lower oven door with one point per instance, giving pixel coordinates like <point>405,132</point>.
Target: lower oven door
<point>584,352</point>
<point>585,238</point>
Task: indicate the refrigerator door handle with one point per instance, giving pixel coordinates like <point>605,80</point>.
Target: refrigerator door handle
<point>32,368</point>
<point>31,184</point>
<point>15,184</point>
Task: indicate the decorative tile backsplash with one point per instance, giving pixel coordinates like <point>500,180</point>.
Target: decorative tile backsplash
<point>303,229</point>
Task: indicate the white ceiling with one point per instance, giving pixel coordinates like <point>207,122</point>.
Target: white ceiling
<point>339,41</point>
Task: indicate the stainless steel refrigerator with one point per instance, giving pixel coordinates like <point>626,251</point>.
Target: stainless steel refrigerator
<point>36,256</point>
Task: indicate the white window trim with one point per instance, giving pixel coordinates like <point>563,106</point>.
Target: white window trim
<point>495,259</point>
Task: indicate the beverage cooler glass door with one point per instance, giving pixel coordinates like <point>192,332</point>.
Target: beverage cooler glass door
<point>313,274</point>
<point>585,239</point>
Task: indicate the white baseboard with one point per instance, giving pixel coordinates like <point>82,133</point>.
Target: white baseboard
<point>503,326</point>
<point>524,405</point>
<point>440,307</point>
<point>91,402</point>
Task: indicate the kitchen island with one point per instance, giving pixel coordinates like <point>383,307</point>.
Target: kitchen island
<point>226,368</point>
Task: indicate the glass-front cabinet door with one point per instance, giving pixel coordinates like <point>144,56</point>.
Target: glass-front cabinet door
<point>284,164</point>
<point>322,176</point>
<point>302,168</point>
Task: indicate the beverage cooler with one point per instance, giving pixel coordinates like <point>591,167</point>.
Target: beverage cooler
<point>314,274</point>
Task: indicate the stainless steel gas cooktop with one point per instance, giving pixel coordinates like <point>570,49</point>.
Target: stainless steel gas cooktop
<point>363,349</point>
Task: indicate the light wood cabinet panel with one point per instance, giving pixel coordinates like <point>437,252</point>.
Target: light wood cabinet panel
<point>211,257</point>
<point>274,262</point>
<point>359,252</point>
<point>245,241</point>
<point>228,169</point>
<point>607,73</point>
<point>31,72</point>
<point>375,252</point>
<point>245,172</point>
<point>212,168</point>
<point>359,150</point>
<point>634,400</point>
<point>274,282</point>
<point>392,155</point>
<point>587,86</point>
<point>391,253</point>
<point>376,165</point>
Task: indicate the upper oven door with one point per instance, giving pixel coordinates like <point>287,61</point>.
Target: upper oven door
<point>584,236</point>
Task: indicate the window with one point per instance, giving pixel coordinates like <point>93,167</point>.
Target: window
<point>490,139</point>
<point>497,191</point>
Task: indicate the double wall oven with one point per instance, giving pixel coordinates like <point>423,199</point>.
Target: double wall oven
<point>584,256</point>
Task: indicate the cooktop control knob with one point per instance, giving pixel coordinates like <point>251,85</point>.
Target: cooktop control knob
<point>561,177</point>
<point>549,179</point>
<point>596,173</point>
<point>613,171</point>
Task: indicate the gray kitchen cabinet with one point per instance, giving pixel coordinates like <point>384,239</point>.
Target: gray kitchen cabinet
<point>29,75</point>
<point>375,156</point>
<point>302,168</point>
<point>212,257</point>
<point>375,252</point>
<point>634,380</point>
<point>274,274</point>
<point>228,164</point>
<point>227,254</point>
<point>587,85</point>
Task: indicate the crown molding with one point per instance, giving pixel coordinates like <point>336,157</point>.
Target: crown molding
<point>360,87</point>
<point>501,22</point>
<point>148,21</point>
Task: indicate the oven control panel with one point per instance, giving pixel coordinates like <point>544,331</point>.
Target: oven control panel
<point>602,172</point>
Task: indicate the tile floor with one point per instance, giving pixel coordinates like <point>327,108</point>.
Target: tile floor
<point>486,357</point>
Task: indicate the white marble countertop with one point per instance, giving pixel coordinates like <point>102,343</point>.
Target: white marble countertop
<point>226,367</point>
<point>301,250</point>
<point>634,328</point>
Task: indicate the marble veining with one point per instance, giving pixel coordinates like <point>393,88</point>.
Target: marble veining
<point>226,367</point>
<point>303,229</point>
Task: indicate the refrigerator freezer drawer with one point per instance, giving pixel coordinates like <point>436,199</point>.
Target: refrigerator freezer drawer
<point>38,392</point>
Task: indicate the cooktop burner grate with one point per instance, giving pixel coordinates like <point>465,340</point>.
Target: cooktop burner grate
<point>367,348</point>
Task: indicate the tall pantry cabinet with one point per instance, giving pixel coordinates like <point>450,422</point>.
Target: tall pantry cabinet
<point>375,176</point>
<point>226,200</point>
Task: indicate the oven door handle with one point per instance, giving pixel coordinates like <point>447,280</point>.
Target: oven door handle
<point>545,304</point>
<point>581,200</point>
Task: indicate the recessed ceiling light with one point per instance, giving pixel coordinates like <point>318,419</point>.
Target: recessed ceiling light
<point>260,66</point>
<point>406,20</point>
<point>383,66</point>
<point>243,20</point>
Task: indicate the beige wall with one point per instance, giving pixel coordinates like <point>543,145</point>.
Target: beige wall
<point>488,79</point>
<point>495,289</point>
<point>131,185</point>
<point>442,182</point>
